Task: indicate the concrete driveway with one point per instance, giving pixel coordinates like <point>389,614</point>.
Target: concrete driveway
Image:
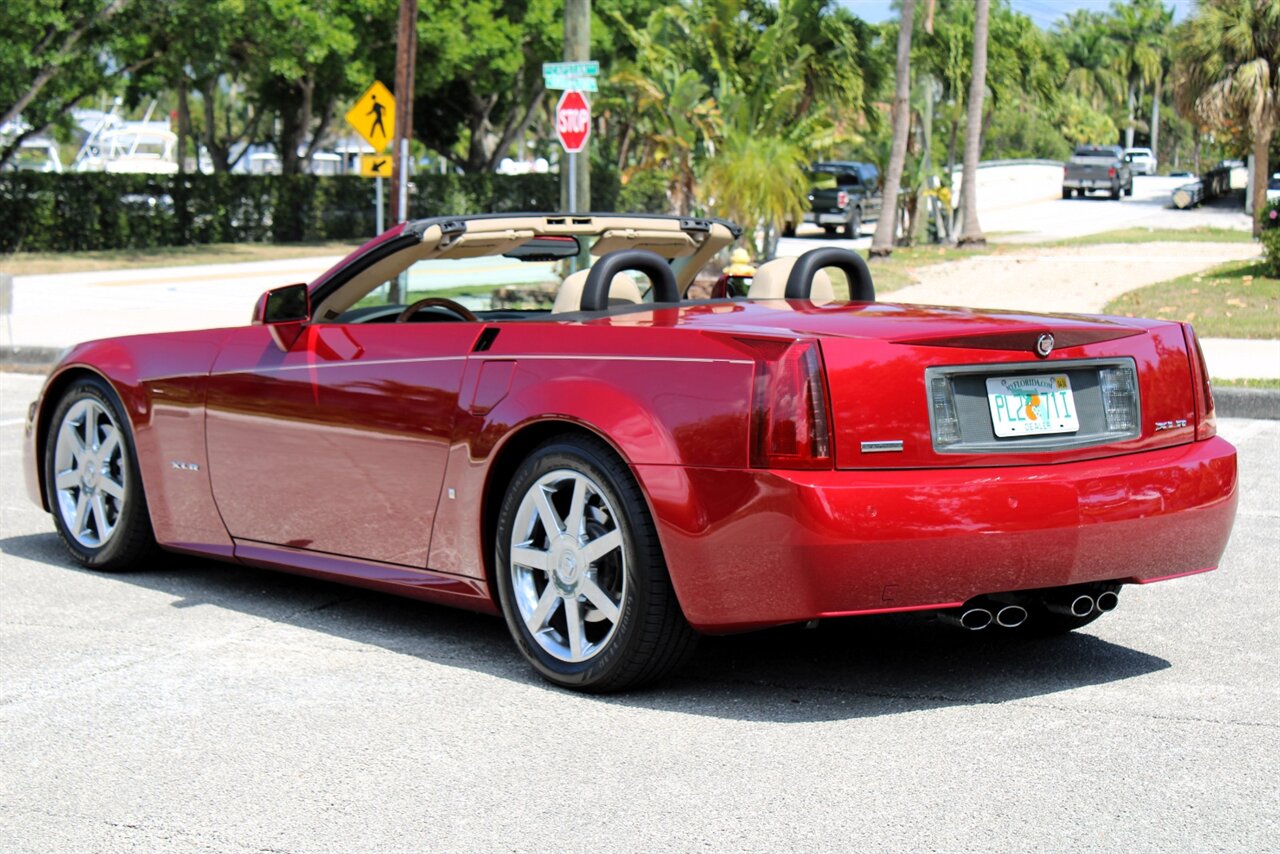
<point>198,706</point>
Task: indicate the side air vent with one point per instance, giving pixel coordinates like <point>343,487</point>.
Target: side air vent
<point>485,339</point>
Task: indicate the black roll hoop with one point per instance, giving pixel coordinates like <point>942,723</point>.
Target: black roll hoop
<point>800,282</point>
<point>595,293</point>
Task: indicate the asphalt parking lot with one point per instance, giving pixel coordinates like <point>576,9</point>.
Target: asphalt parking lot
<point>199,706</point>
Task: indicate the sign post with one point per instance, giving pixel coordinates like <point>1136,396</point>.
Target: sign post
<point>577,75</point>
<point>573,127</point>
<point>374,118</point>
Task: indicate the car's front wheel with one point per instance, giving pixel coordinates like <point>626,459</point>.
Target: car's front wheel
<point>580,573</point>
<point>91,480</point>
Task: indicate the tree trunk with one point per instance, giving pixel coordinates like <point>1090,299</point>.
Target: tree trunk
<point>217,153</point>
<point>184,128</point>
<point>1128,130</point>
<point>882,242</point>
<point>1155,120</point>
<point>972,234</point>
<point>1261,172</point>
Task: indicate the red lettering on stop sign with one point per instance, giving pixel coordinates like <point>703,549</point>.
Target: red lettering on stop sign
<point>573,121</point>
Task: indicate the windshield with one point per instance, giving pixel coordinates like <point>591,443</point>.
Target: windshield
<point>827,180</point>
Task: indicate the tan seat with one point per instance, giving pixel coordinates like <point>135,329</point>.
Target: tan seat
<point>770,282</point>
<point>622,290</point>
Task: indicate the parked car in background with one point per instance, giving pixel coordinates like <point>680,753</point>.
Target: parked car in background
<point>1141,160</point>
<point>1273,188</point>
<point>843,195</point>
<point>1097,167</point>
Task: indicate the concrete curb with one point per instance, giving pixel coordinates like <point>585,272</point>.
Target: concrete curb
<point>1233,402</point>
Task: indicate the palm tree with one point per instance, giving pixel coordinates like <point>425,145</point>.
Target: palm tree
<point>759,181</point>
<point>972,235</point>
<point>1138,29</point>
<point>1091,55</point>
<point>887,226</point>
<point>1228,68</point>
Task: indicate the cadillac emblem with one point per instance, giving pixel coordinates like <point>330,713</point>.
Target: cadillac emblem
<point>1044,345</point>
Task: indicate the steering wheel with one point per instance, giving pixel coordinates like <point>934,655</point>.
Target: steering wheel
<point>460,310</point>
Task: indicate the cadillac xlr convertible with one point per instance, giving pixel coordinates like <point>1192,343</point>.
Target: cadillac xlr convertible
<point>630,466</point>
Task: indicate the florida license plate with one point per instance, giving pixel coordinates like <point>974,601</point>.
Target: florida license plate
<point>1032,405</point>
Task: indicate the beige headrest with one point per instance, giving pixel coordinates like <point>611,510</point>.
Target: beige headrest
<point>622,289</point>
<point>770,282</point>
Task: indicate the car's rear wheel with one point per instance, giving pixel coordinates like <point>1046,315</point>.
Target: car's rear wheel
<point>92,483</point>
<point>580,573</point>
<point>1066,192</point>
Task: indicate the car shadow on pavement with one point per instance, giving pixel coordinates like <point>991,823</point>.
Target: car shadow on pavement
<point>853,668</point>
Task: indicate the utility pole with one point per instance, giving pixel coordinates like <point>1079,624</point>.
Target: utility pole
<point>406,56</point>
<point>577,48</point>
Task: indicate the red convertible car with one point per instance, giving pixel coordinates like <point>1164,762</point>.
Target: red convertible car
<point>633,467</point>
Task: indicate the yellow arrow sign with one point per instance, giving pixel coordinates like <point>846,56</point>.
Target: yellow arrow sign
<point>374,116</point>
<point>376,165</point>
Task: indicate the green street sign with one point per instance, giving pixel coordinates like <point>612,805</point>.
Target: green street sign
<point>582,84</point>
<point>590,68</point>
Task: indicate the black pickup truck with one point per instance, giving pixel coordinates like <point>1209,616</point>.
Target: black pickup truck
<point>843,195</point>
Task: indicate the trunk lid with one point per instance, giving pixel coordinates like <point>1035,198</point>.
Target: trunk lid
<point>881,360</point>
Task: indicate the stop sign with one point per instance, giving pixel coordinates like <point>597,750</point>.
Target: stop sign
<point>573,121</point>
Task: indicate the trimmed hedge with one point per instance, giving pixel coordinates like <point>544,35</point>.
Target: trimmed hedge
<point>69,212</point>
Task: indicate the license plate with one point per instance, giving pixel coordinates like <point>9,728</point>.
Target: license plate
<point>831,219</point>
<point>1032,405</point>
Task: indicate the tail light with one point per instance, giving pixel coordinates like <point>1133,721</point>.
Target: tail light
<point>1206,416</point>
<point>1119,398</point>
<point>1111,172</point>
<point>842,199</point>
<point>946,423</point>
<point>789,424</point>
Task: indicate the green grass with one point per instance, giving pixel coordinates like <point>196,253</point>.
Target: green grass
<point>1202,234</point>
<point>1248,383</point>
<point>39,263</point>
<point>1235,300</point>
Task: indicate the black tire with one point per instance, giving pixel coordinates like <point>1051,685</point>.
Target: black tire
<point>131,542</point>
<point>1082,192</point>
<point>853,228</point>
<point>829,230</point>
<point>789,230</point>
<point>1066,192</point>
<point>1115,193</point>
<point>1128,191</point>
<point>650,636</point>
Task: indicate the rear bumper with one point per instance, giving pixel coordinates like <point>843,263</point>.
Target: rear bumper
<point>755,548</point>
<point>1090,184</point>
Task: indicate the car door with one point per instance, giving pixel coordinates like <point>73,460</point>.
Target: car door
<point>336,444</point>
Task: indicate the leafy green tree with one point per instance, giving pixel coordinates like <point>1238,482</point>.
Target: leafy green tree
<point>1084,37</point>
<point>1228,67</point>
<point>52,57</point>
<point>479,75</point>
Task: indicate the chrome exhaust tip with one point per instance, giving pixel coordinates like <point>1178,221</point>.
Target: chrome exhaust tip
<point>1074,606</point>
<point>970,619</point>
<point>1011,616</point>
<point>1107,600</point>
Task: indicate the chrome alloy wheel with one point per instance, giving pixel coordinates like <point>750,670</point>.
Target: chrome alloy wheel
<point>89,473</point>
<point>568,565</point>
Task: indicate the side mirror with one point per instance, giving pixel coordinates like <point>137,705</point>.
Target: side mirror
<point>290,304</point>
<point>284,311</point>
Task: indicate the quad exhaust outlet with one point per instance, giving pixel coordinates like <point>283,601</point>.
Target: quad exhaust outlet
<point>1009,611</point>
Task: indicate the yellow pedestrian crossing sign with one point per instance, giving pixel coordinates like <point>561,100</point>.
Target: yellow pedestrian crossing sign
<point>376,165</point>
<point>374,117</point>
